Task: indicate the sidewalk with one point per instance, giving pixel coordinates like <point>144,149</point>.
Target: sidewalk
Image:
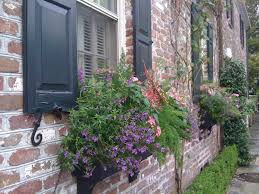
<point>246,180</point>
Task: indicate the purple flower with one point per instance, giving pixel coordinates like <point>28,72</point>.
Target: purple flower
<point>66,154</point>
<point>129,146</point>
<point>108,78</point>
<point>85,161</point>
<point>81,76</point>
<point>95,139</point>
<point>78,155</point>
<point>84,133</point>
<point>143,149</point>
<point>150,140</point>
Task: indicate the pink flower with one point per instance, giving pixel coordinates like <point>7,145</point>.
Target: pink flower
<point>134,79</point>
<point>151,121</point>
<point>158,131</point>
<point>236,95</point>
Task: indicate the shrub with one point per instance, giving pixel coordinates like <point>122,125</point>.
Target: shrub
<point>215,178</point>
<point>233,77</point>
<point>236,133</point>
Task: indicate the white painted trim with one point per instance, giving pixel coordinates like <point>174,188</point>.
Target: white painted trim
<point>121,27</point>
<point>100,9</point>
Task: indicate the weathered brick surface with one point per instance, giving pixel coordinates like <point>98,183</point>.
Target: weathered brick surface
<point>22,156</point>
<point>31,187</point>
<point>8,65</point>
<point>36,169</point>
<point>8,178</point>
<point>8,27</point>
<point>11,102</point>
<point>15,47</point>
<point>21,122</point>
<point>11,8</point>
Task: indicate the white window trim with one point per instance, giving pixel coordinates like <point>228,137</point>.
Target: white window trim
<point>120,17</point>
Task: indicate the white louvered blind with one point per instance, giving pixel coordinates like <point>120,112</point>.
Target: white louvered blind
<point>96,43</point>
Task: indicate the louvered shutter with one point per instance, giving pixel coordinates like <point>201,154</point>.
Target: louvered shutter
<point>142,36</point>
<point>50,70</point>
<point>101,47</point>
<point>210,51</point>
<point>87,45</point>
<point>195,37</point>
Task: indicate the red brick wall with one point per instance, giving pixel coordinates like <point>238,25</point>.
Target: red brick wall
<point>25,169</point>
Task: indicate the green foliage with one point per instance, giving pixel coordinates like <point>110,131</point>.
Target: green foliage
<point>114,123</point>
<point>233,77</point>
<point>253,43</point>
<point>173,121</point>
<point>236,133</point>
<point>219,107</point>
<point>216,177</point>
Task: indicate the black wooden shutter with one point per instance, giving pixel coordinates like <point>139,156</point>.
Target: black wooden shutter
<point>142,36</point>
<point>50,62</point>
<point>195,37</point>
<point>210,51</point>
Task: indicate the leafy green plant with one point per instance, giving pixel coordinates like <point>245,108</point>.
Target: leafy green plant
<point>215,178</point>
<point>233,77</point>
<point>219,107</point>
<point>173,121</point>
<point>236,133</point>
<point>116,121</point>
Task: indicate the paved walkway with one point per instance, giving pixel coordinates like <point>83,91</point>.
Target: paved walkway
<point>239,185</point>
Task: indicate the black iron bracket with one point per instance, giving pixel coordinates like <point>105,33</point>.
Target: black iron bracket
<point>36,139</point>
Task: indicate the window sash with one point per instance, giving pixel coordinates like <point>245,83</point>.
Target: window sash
<point>100,9</point>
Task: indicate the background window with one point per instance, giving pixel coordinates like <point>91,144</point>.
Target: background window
<point>97,41</point>
<point>230,12</point>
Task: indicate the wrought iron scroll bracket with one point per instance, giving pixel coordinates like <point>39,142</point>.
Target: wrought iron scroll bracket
<point>36,139</point>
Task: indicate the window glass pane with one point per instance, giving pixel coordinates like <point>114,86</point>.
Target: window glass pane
<point>97,48</point>
<point>108,4</point>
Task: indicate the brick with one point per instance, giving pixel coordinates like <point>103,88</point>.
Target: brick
<point>8,65</point>
<point>150,170</point>
<point>11,102</point>
<point>11,140</point>
<point>50,181</point>
<point>63,131</point>
<point>113,191</point>
<point>144,164</point>
<point>52,149</point>
<point>12,9</point>
<point>52,119</point>
<point>8,27</point>
<point>21,122</point>
<point>115,178</point>
<point>123,186</point>
<point>23,156</point>
<point>15,47</point>
<point>1,83</point>
<point>9,178</point>
<point>100,187</point>
<point>1,159</point>
<point>30,187</point>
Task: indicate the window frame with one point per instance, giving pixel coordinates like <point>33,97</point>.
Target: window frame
<point>119,17</point>
<point>230,13</point>
<point>242,32</point>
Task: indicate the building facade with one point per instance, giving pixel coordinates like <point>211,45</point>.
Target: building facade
<point>155,32</point>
